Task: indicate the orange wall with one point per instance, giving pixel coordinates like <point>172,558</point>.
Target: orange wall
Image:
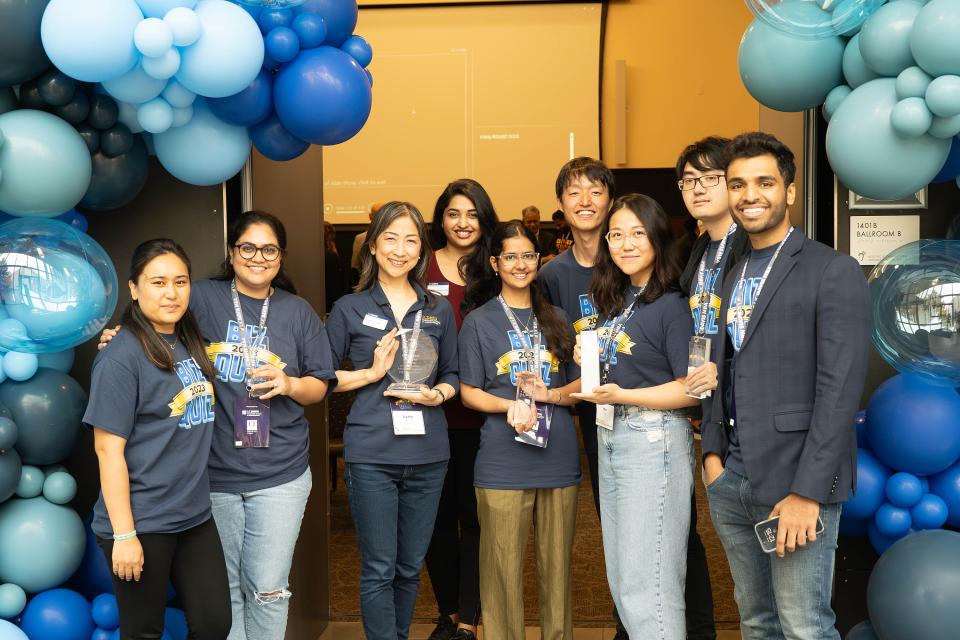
<point>682,79</point>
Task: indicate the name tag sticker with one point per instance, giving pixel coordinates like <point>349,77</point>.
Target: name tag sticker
<point>605,416</point>
<point>407,419</point>
<point>439,288</point>
<point>374,321</point>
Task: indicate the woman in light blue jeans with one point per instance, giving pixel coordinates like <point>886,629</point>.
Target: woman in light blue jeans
<point>644,438</point>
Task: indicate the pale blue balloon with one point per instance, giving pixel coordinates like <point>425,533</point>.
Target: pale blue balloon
<point>178,95</point>
<point>164,67</point>
<point>45,165</point>
<point>855,70</point>
<point>153,37</point>
<point>185,26</point>
<point>42,543</point>
<point>31,481</point>
<point>59,487</point>
<point>59,361</point>
<point>159,8</point>
<point>12,601</point>
<point>767,57</point>
<point>228,55</point>
<point>912,83</point>
<point>834,98</point>
<point>182,116</point>
<point>127,115</point>
<point>869,156</point>
<point>885,37</point>
<point>840,18</point>
<point>135,86</point>
<point>935,39</point>
<point>205,151</point>
<point>911,117</point>
<point>91,40</point>
<point>20,366</point>
<point>945,128</point>
<point>943,95</point>
<point>155,116</point>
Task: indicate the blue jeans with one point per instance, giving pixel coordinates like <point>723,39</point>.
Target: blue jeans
<point>394,508</point>
<point>259,531</point>
<point>785,597</point>
<point>646,480</point>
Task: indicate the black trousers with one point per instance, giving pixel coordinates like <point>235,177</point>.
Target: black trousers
<point>699,593</point>
<point>453,559</point>
<point>193,561</point>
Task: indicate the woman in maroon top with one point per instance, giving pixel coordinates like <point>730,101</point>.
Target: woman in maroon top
<point>463,223</point>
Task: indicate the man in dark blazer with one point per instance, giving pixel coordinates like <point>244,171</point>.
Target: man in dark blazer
<point>780,440</point>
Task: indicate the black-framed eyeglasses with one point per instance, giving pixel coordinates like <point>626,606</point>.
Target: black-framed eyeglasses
<point>248,251</point>
<point>707,181</point>
<point>511,258</point>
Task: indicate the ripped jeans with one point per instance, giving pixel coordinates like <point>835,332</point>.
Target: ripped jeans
<point>259,531</point>
<point>646,479</point>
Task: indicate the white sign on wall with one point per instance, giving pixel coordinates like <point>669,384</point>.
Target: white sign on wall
<point>873,237</point>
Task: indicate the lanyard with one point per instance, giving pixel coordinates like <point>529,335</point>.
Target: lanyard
<point>610,347</point>
<point>739,319</point>
<point>248,358</point>
<point>526,336</point>
<point>701,280</point>
<point>411,343</point>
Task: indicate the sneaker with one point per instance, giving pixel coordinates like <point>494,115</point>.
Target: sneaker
<point>464,634</point>
<point>444,630</point>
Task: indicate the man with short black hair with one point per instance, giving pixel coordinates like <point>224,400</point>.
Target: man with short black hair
<point>780,438</point>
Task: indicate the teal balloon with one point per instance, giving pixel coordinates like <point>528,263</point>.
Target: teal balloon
<point>885,37</point>
<point>44,164</point>
<point>8,433</point>
<point>10,469</point>
<point>867,153</point>
<point>31,480</point>
<point>768,56</point>
<point>945,128</point>
<point>58,361</point>
<point>91,40</point>
<point>60,487</point>
<point>935,39</point>
<point>855,70</point>
<point>8,100</point>
<point>205,151</point>
<point>20,366</point>
<point>943,95</point>
<point>159,8</point>
<point>21,52</point>
<point>41,544</point>
<point>833,100</point>
<point>12,601</point>
<point>912,83</point>
<point>135,86</point>
<point>48,409</point>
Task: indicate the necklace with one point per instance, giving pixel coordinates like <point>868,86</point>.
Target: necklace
<point>173,344</point>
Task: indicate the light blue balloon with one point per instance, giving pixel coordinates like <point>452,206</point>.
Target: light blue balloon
<point>768,56</point>
<point>855,70</point>
<point>59,487</point>
<point>153,37</point>
<point>834,98</point>
<point>943,95</point>
<point>164,67</point>
<point>911,117</point>
<point>185,26</point>
<point>45,165</point>
<point>912,83</point>
<point>20,366</point>
<point>155,116</point>
<point>91,40</point>
<point>41,544</point>
<point>205,151</point>
<point>885,37</point>
<point>12,601</point>
<point>869,156</point>
<point>842,17</point>
<point>135,86</point>
<point>159,8</point>
<point>10,631</point>
<point>935,39</point>
<point>182,116</point>
<point>178,95</point>
<point>945,128</point>
<point>127,115</point>
<point>228,55</point>
<point>31,481</point>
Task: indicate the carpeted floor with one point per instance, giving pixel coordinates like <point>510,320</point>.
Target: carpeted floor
<point>591,598</point>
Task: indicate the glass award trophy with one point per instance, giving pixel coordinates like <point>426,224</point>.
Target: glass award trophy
<point>414,363</point>
<point>525,411</point>
<point>699,355</point>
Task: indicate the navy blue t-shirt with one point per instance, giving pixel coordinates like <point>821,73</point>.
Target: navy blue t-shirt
<point>167,420</point>
<point>566,284</point>
<point>490,358</point>
<point>653,345</point>
<point>294,340</point>
<point>742,300</point>
<point>368,436</point>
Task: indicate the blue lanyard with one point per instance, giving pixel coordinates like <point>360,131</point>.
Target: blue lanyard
<point>610,346</point>
<point>701,280</point>
<point>739,316</point>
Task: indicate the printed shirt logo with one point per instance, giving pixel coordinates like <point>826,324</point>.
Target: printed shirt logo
<point>520,358</point>
<point>623,341</point>
<point>195,402</point>
<point>748,288</point>
<point>431,320</point>
<point>227,356</point>
<point>710,277</point>
<point>588,314</point>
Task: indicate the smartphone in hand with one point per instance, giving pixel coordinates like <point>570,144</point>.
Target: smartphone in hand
<point>767,533</point>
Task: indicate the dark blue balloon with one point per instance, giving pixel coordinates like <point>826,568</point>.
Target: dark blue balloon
<point>892,521</point>
<point>175,624</point>
<point>101,634</point>
<point>282,44</point>
<point>75,219</point>
<point>93,577</point>
<point>951,168</point>
<point>270,19</point>
<point>947,486</point>
<point>929,513</point>
<point>105,611</point>
<point>103,112</point>
<point>10,467</point>
<point>47,409</point>
<point>117,181</point>
<point>273,141</point>
<point>340,16</point>
<point>116,140</point>
<point>359,49</point>
<point>871,487</point>
<point>861,422</point>
<point>878,541</point>
<point>248,107</point>
<point>57,613</point>
<point>311,29</point>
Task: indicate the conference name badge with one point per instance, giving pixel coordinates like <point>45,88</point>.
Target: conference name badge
<point>407,418</point>
<point>251,423</point>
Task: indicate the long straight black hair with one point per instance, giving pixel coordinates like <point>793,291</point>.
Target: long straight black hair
<point>488,285</point>
<point>238,226</point>
<point>134,320</point>
<point>472,263</point>
<point>609,283</point>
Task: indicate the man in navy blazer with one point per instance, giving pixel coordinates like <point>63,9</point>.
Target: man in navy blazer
<point>780,438</point>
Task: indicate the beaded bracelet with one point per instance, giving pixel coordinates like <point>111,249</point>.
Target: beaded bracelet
<point>125,536</point>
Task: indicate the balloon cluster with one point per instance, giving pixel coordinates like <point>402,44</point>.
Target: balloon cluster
<point>886,73</point>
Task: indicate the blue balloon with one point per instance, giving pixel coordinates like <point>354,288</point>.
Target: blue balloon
<point>58,361</point>
<point>912,83</point>
<point>878,541</point>
<point>185,26</point>
<point>943,96</point>
<point>867,153</point>
<point>205,151</point>
<point>871,485</point>
<point>101,634</point>
<point>933,40</point>
<point>311,29</point>
<point>270,19</point>
<point>855,70</point>
<point>31,482</point>
<point>63,295</point>
<point>860,422</point>
<point>912,425</point>
<point>946,485</point>
<point>904,489</point>
<point>175,624</point>
<point>93,576</point>
<point>164,67</point>
<point>228,55</point>
<point>339,15</point>
<point>103,112</point>
<point>91,41</point>
<point>891,521</point>
<point>41,544</point>
<point>836,96</point>
<point>105,612</point>
<point>275,142</point>
<point>12,601</point>
<point>862,631</point>
<point>178,95</point>
<point>75,219</point>
<point>117,180</point>
<point>20,366</point>
<point>885,37</point>
<point>911,117</point>
<point>845,16</point>
<point>323,76</point>
<point>58,614</point>
<point>8,437</point>
<point>60,487</point>
<point>359,49</point>
<point>44,164</point>
<point>951,168</point>
<point>10,470</point>
<point>913,590</point>
<point>48,409</point>
<point>945,128</point>
<point>159,8</point>
<point>282,44</point>
<point>155,116</point>
<point>21,52</point>
<point>153,37</point>
<point>248,107</point>
<point>929,513</point>
<point>135,86</point>
<point>10,631</point>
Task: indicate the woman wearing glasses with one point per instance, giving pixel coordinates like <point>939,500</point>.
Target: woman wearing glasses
<point>528,467</point>
<point>645,439</point>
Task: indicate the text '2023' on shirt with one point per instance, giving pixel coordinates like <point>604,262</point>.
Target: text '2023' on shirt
<point>566,284</point>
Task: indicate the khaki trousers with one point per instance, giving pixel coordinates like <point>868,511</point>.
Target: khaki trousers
<point>505,518</point>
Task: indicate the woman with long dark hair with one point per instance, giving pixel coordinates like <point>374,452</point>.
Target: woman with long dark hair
<point>644,436</point>
<point>151,409</point>
<point>463,222</point>
<point>528,467</point>
<point>395,440</point>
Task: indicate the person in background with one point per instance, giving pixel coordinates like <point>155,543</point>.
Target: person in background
<point>361,239</point>
<point>152,413</point>
<point>546,239</point>
<point>335,284</point>
<point>563,237</point>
